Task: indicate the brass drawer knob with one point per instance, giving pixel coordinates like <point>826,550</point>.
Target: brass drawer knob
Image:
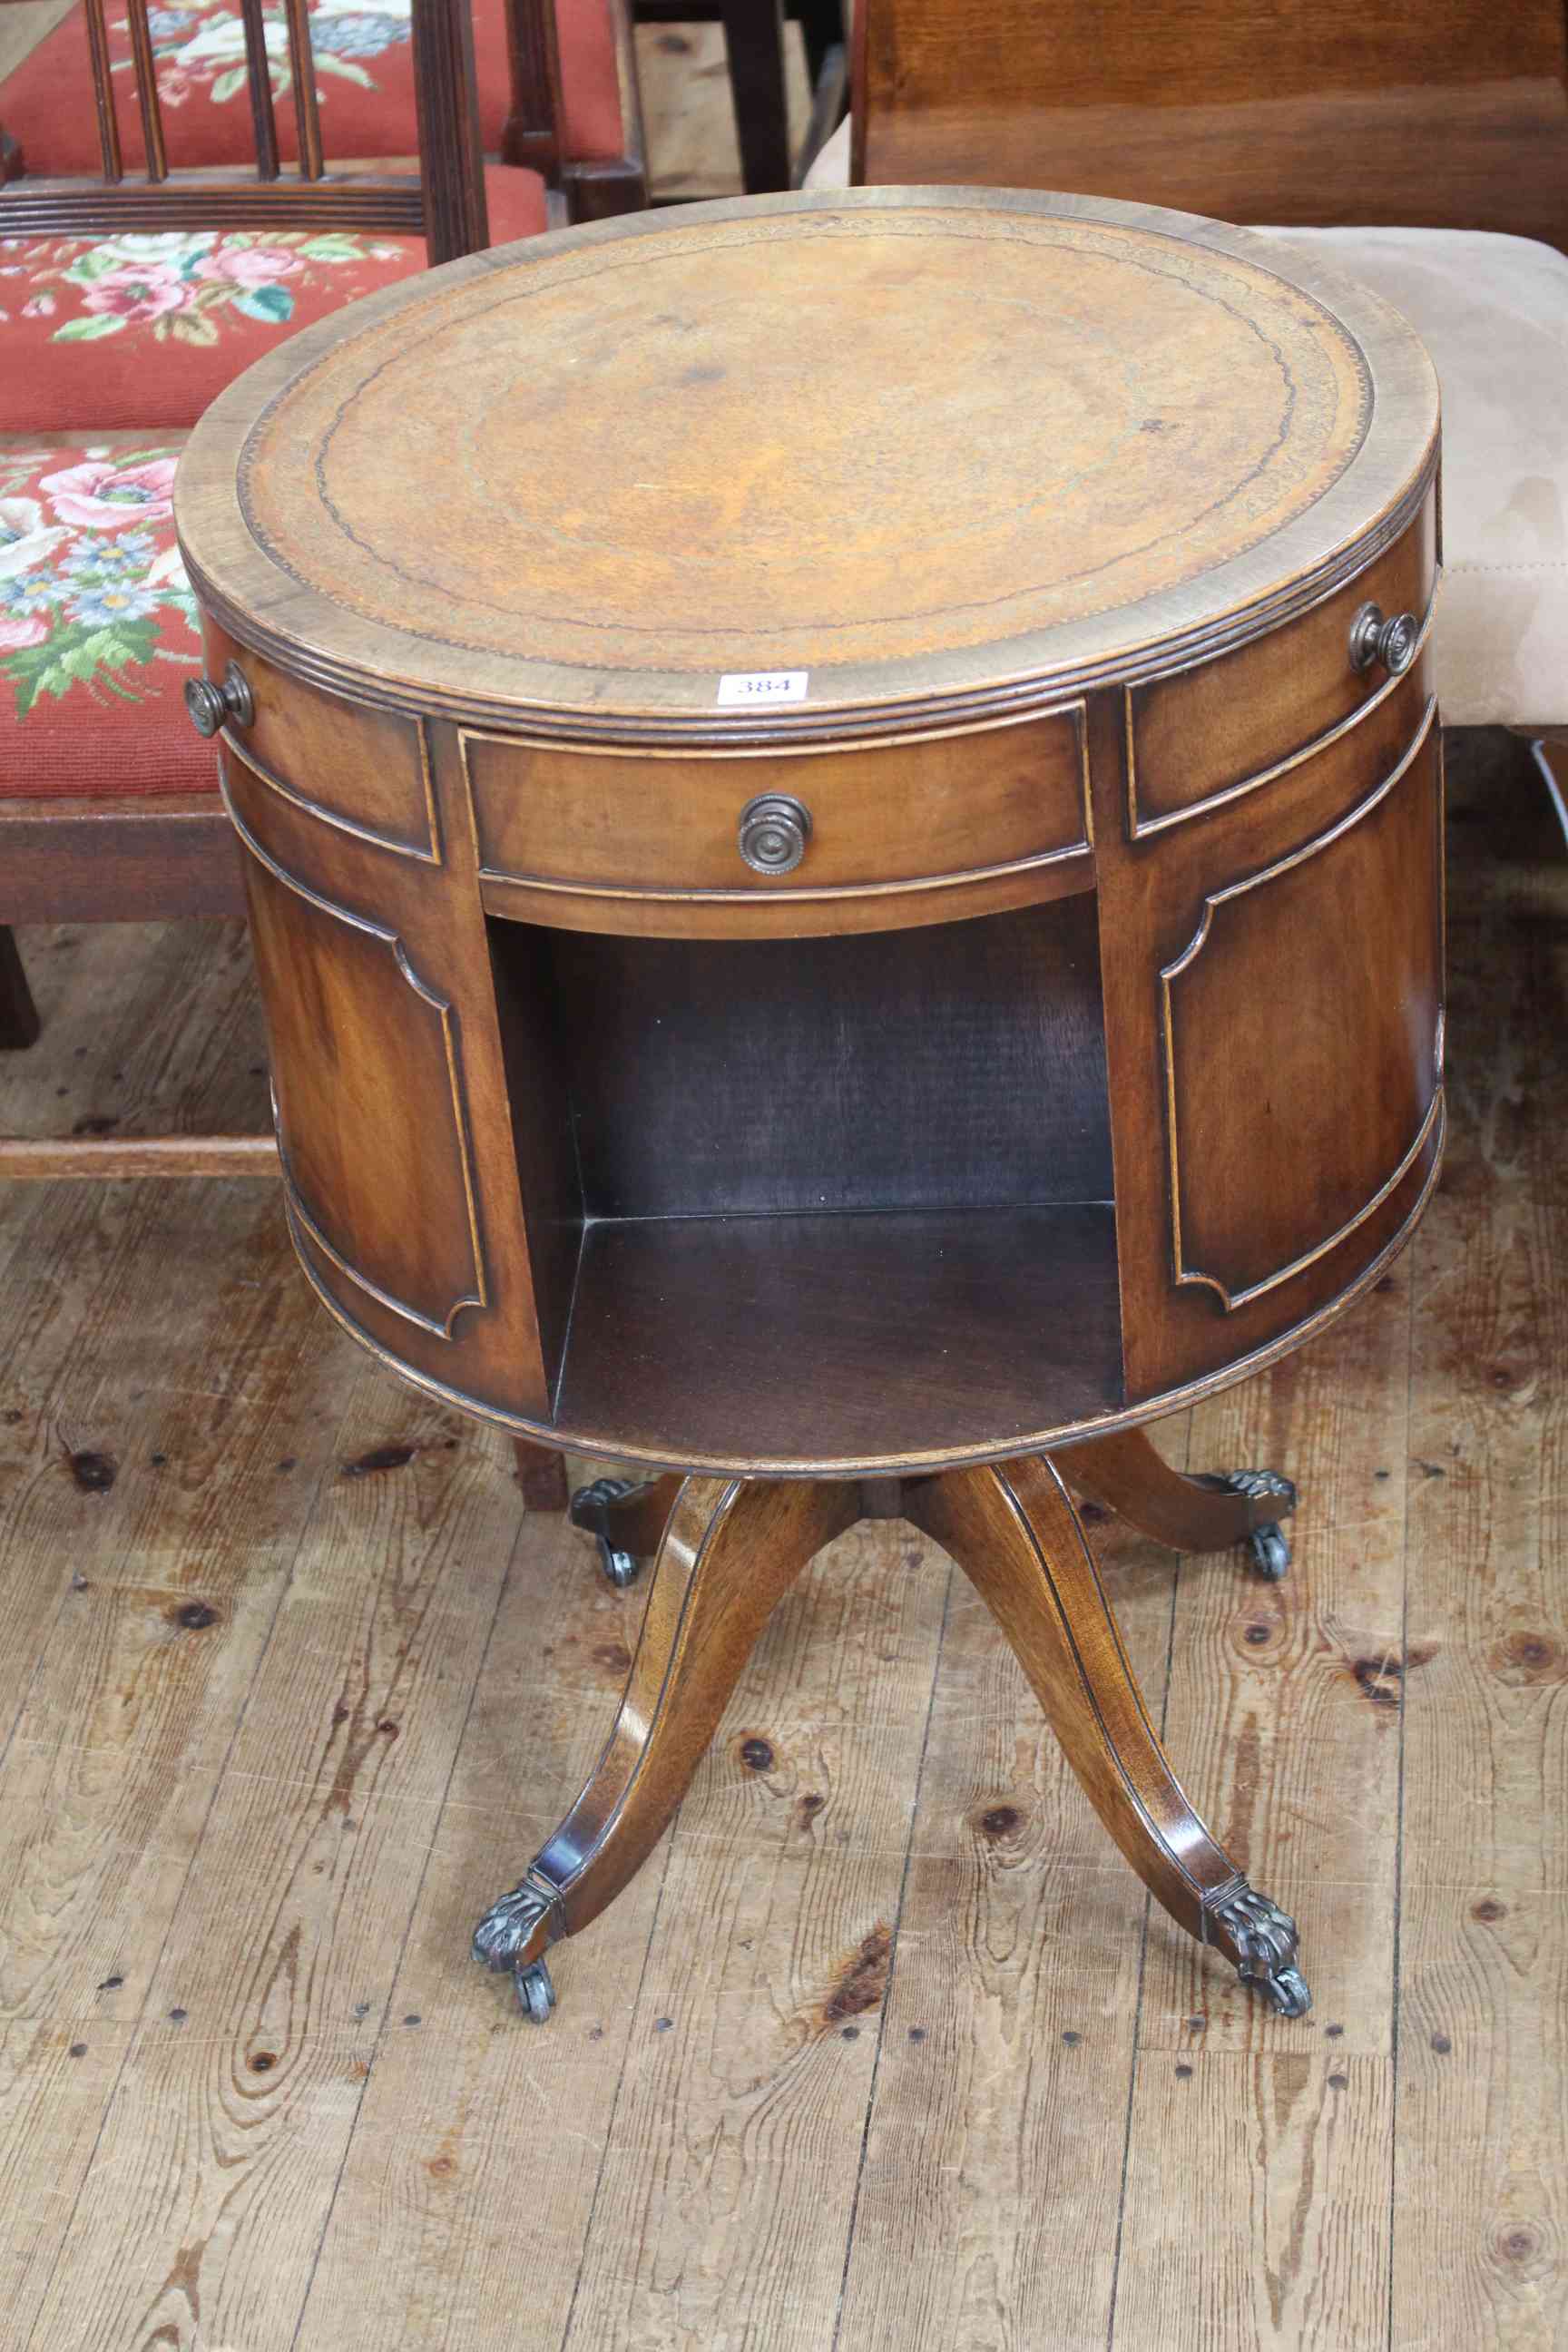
<point>774,830</point>
<point>1374,639</point>
<point>210,705</point>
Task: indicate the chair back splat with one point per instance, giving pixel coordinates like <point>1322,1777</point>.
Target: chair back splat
<point>533,132</point>
<point>438,194</point>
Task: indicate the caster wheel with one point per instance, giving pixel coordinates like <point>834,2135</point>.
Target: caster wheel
<point>535,1992</point>
<point>1286,1994</point>
<point>591,1510</point>
<point>1269,1552</point>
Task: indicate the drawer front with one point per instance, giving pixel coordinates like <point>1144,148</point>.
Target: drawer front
<point>1204,736</point>
<point>950,811</point>
<point>364,771</point>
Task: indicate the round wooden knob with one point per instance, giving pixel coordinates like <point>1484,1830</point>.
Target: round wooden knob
<point>774,830</point>
<point>1375,639</point>
<point>210,705</point>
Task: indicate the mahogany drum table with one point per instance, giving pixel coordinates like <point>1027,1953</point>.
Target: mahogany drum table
<point>842,810</point>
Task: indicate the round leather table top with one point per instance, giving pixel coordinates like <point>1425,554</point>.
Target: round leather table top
<point>890,448</point>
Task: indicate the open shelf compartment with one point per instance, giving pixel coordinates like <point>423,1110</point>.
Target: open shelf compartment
<point>799,1202</point>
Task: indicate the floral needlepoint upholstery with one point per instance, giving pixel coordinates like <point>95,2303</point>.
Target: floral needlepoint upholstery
<point>98,627</point>
<point>139,332</point>
<point>364,81</point>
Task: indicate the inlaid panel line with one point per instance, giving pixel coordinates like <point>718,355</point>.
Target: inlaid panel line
<point>266,775</point>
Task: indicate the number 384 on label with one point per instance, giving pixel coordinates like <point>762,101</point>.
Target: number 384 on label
<point>753,686</point>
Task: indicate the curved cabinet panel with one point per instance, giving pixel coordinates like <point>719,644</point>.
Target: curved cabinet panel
<point>371,1119</point>
<point>1273,1017</point>
<point>1301,1034</point>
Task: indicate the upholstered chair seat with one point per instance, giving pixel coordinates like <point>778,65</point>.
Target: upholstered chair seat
<point>106,335</point>
<point>98,627</point>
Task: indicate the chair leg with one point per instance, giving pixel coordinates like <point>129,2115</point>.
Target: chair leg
<point>1550,756</point>
<point>19,1023</point>
<point>822,30</point>
<point>754,37</point>
<point>731,1549</point>
<point>541,1474</point>
<point>1015,1535</point>
<point>1206,1514</point>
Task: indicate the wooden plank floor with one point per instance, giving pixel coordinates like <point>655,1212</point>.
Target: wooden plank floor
<point>885,2047</point>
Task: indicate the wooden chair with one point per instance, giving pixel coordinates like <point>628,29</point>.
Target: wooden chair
<point>754,49</point>
<point>1422,151</point>
<point>557,90</point>
<point>109,808</point>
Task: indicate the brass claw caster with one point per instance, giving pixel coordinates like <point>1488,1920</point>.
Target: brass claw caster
<point>594,1510</point>
<point>518,1923</point>
<point>1261,1941</point>
<point>1286,1994</point>
<point>1266,1546</point>
<point>1268,1551</point>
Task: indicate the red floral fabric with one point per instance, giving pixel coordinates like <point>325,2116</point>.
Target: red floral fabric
<point>139,332</point>
<point>98,628</point>
<point>365,82</point>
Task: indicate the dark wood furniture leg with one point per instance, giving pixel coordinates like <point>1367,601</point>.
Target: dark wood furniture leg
<point>1013,1531</point>
<point>754,37</point>
<point>822,30</point>
<point>1204,1513</point>
<point>541,1474</point>
<point>18,1013</point>
<point>731,1549</point>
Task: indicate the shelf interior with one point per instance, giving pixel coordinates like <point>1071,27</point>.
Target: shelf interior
<point>817,1200</point>
<point>854,1338</point>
